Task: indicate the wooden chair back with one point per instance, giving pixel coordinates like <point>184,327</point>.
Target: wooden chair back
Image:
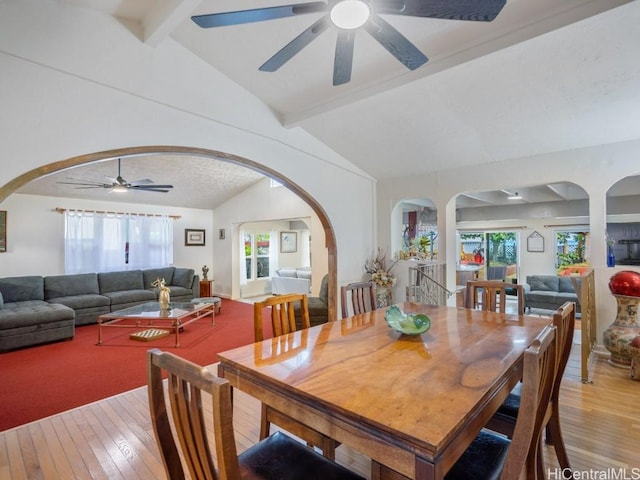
<point>186,382</point>
<point>282,322</point>
<point>538,378</point>
<point>492,295</point>
<point>283,319</point>
<point>564,319</point>
<point>360,295</point>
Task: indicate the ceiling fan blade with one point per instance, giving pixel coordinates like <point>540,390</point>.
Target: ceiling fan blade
<point>87,184</point>
<point>344,57</point>
<point>144,181</point>
<point>148,187</point>
<point>257,14</point>
<point>472,10</point>
<point>294,46</point>
<point>396,43</point>
<point>162,190</point>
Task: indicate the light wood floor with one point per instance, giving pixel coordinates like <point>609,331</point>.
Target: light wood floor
<point>113,438</point>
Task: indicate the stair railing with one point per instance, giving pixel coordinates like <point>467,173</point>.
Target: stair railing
<point>426,284</point>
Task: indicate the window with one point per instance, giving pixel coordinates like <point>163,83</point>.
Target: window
<point>257,248</point>
<point>101,242</point>
<point>572,250</point>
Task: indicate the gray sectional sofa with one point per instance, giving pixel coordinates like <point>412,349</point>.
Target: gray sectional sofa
<point>550,291</point>
<point>35,309</point>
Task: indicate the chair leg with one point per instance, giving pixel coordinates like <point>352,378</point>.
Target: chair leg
<point>265,425</point>
<point>554,436</point>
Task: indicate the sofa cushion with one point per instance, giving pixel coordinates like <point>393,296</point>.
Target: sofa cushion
<point>183,277</point>
<point>20,289</point>
<point>566,284</point>
<point>119,281</point>
<point>152,274</point>
<point>306,274</point>
<point>324,290</point>
<point>69,285</point>
<point>33,312</point>
<point>287,272</point>
<point>541,296</point>
<point>129,297</point>
<point>545,283</point>
<point>79,302</point>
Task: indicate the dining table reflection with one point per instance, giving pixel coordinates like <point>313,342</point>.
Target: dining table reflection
<point>412,403</point>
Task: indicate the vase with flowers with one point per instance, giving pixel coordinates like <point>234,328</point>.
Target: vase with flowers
<point>379,267</point>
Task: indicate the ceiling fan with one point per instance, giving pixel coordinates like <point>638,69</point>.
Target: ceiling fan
<point>348,16</point>
<point>119,184</point>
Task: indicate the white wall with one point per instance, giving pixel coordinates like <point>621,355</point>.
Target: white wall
<point>76,82</point>
<point>261,203</point>
<point>35,233</point>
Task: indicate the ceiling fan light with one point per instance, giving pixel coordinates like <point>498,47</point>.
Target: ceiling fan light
<point>350,14</point>
<point>119,189</point>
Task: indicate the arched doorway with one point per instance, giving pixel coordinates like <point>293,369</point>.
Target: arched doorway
<point>327,228</point>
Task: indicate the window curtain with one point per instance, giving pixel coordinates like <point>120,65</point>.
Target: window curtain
<point>150,241</point>
<point>103,242</point>
<point>94,242</point>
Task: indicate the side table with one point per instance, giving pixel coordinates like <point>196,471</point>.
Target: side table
<point>206,288</point>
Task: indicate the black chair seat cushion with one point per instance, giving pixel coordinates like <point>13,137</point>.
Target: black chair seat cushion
<point>279,457</point>
<point>511,405</point>
<point>483,460</point>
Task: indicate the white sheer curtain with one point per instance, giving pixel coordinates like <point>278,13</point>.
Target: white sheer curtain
<point>102,242</point>
<point>150,241</point>
<point>94,242</point>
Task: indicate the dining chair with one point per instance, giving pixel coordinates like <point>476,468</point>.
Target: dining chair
<point>492,295</point>
<point>186,447</point>
<point>492,455</point>
<point>283,321</point>
<point>504,421</point>
<point>360,295</point>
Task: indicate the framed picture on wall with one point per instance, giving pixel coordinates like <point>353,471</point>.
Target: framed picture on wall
<point>193,237</point>
<point>288,242</point>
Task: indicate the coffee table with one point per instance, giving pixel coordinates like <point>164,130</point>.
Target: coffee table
<point>149,315</point>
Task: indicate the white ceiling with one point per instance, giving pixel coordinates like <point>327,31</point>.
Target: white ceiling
<point>544,76</point>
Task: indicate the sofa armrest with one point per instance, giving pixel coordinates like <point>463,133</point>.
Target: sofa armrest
<point>195,285</point>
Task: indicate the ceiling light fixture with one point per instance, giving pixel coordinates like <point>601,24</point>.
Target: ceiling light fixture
<point>350,14</point>
<point>119,189</point>
<point>514,196</point>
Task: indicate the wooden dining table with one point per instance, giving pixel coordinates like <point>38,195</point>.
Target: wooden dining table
<point>411,403</point>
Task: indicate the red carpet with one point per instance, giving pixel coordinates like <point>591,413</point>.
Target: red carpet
<point>36,382</point>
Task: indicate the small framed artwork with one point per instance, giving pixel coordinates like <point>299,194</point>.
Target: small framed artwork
<point>221,234</point>
<point>193,238</point>
<point>535,242</point>
<point>288,242</point>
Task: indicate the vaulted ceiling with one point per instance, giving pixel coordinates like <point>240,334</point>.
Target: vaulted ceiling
<point>544,76</point>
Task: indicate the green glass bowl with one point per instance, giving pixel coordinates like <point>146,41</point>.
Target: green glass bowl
<point>409,324</point>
